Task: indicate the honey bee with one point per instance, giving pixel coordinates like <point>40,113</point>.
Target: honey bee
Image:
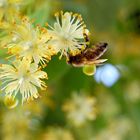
<point>89,56</point>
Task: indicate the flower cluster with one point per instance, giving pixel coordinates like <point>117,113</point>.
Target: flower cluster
<point>30,47</point>
<point>80,109</point>
<point>55,133</point>
<point>9,9</point>
<point>117,129</point>
<point>18,120</point>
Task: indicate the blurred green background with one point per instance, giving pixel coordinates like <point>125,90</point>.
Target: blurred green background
<point>116,85</point>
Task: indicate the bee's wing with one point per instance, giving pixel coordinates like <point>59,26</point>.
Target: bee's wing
<point>101,48</point>
<point>95,52</point>
<point>96,62</point>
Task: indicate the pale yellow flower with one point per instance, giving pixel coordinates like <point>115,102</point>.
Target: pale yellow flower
<point>22,77</point>
<point>80,108</point>
<point>133,91</point>
<point>117,129</point>
<point>15,125</point>
<point>9,9</point>
<point>67,33</point>
<point>29,42</point>
<point>57,134</point>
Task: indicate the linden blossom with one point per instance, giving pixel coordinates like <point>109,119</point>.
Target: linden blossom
<point>22,77</point>
<point>67,33</point>
<point>9,9</point>
<point>80,108</point>
<point>28,42</point>
<point>58,133</point>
